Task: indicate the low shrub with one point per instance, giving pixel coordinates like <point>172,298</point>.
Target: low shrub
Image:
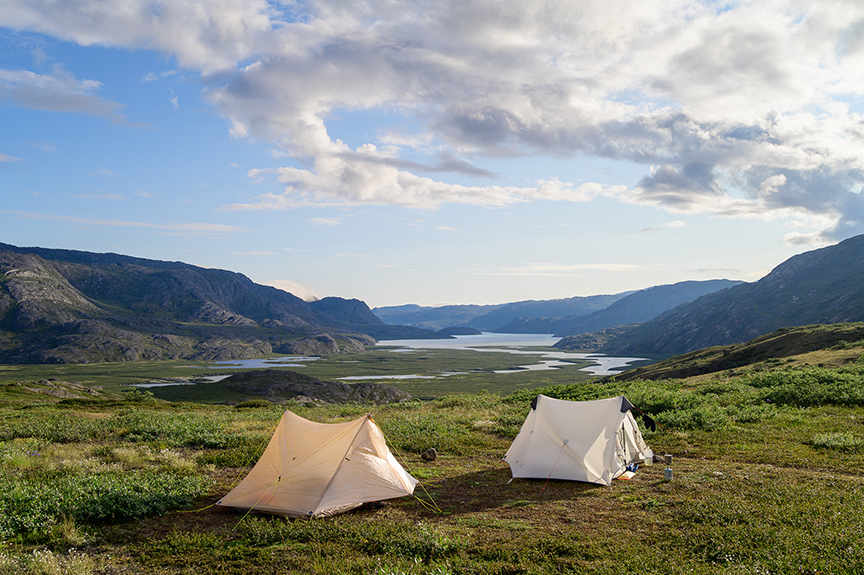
<point>416,432</point>
<point>254,404</point>
<point>33,505</point>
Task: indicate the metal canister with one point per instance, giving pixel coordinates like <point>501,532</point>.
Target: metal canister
<point>667,474</point>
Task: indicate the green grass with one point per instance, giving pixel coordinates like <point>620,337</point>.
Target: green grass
<point>767,479</point>
<point>450,371</point>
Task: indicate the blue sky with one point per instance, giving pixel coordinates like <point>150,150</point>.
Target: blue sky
<point>431,153</point>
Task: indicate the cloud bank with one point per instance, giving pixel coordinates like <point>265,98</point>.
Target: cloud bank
<point>742,109</point>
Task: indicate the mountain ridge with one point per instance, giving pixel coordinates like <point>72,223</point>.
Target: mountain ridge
<point>822,286</point>
<point>82,307</point>
<point>636,307</point>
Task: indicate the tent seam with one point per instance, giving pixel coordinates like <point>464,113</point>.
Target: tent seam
<point>341,463</point>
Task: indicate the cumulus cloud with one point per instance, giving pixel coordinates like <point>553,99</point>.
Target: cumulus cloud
<point>209,35</point>
<point>735,109</point>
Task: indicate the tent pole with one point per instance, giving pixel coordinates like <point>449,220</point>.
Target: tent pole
<point>551,471</point>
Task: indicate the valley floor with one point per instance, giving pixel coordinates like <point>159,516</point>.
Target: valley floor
<point>767,479</point>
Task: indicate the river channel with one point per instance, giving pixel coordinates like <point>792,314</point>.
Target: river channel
<point>517,344</point>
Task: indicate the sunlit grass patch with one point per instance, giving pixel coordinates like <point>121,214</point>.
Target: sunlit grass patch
<point>46,562</point>
<point>843,441</point>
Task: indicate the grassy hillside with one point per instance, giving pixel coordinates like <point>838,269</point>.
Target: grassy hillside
<point>767,479</point>
<point>821,345</point>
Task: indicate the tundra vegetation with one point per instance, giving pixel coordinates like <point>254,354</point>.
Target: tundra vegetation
<point>767,478</point>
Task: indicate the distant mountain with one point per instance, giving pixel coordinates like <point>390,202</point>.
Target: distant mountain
<point>427,317</point>
<point>64,306</point>
<point>823,286</point>
<point>495,320</point>
<point>637,307</point>
<point>491,317</point>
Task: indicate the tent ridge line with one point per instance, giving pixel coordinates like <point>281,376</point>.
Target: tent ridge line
<point>366,418</point>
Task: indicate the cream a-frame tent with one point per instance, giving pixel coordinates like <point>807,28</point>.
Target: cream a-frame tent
<point>314,469</point>
<point>592,441</point>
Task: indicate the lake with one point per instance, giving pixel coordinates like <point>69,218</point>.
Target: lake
<point>515,343</point>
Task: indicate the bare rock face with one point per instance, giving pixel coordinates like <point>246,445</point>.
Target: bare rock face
<point>64,306</point>
<point>62,389</point>
<point>281,385</point>
<point>324,344</point>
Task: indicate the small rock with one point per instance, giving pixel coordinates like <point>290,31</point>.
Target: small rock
<point>429,455</point>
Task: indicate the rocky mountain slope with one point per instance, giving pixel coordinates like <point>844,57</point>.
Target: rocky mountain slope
<point>822,286</point>
<point>637,307</point>
<point>64,306</point>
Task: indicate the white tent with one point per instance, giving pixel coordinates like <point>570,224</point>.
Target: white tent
<point>317,469</point>
<point>591,441</point>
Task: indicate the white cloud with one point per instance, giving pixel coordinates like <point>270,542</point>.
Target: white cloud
<point>302,291</point>
<point>555,270</point>
<point>44,146</point>
<point>735,109</point>
<point>58,91</point>
<point>194,228</point>
<point>325,221</point>
<point>100,195</point>
<point>664,227</point>
<point>209,35</point>
<point>8,159</point>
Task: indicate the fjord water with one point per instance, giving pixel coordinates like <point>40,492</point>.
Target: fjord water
<point>516,343</point>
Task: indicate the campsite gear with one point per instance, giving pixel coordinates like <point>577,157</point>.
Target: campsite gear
<point>667,474</point>
<point>314,469</point>
<point>592,441</point>
<point>668,459</point>
<point>649,457</point>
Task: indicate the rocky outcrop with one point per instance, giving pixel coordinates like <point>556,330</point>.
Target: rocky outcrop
<point>281,385</point>
<point>325,344</point>
<point>62,389</point>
